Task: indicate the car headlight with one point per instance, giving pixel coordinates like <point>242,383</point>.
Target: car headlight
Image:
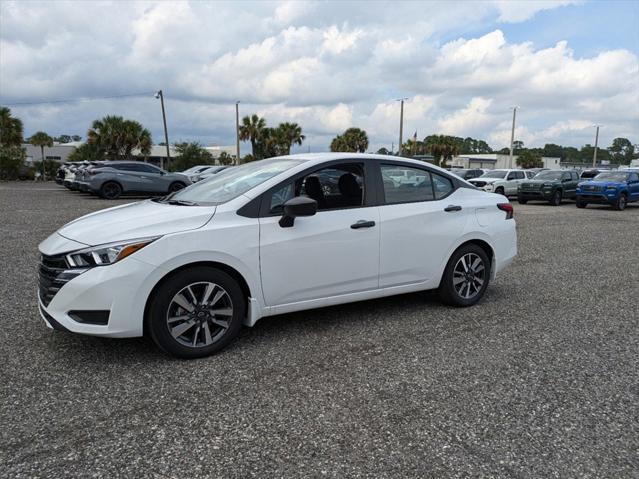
<point>106,254</point>
<point>194,178</point>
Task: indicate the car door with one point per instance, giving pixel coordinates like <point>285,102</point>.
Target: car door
<point>151,179</point>
<point>419,224</point>
<point>512,181</point>
<point>569,182</point>
<point>633,186</point>
<point>335,251</point>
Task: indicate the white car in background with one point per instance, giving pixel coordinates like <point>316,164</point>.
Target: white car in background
<point>266,238</point>
<point>503,182</point>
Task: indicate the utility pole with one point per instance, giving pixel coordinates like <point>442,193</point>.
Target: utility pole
<point>160,95</point>
<point>237,132</point>
<point>401,123</point>
<point>594,156</point>
<point>512,138</point>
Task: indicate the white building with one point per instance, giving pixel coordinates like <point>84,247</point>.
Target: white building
<point>487,161</point>
<point>57,152</point>
<point>551,162</point>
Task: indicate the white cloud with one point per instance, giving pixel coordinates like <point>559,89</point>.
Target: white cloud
<point>323,67</point>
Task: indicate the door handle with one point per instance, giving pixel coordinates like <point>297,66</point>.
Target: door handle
<point>362,224</point>
<point>453,208</point>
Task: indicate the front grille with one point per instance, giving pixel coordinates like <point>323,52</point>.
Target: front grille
<point>591,188</point>
<point>52,276</point>
<point>530,187</point>
<point>479,184</point>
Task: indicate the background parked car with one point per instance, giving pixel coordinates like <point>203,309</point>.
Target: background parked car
<point>616,188</point>
<point>468,173</point>
<point>551,186</point>
<point>589,173</point>
<point>211,171</point>
<point>503,182</point>
<point>114,178</point>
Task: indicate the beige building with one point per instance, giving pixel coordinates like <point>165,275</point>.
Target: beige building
<point>486,161</point>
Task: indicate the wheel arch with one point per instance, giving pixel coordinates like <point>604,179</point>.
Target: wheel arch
<point>235,274</point>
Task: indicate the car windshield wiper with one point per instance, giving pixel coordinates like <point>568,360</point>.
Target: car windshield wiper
<point>182,202</point>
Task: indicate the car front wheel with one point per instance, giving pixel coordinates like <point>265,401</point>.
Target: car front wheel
<point>556,198</point>
<point>196,312</point>
<point>621,202</point>
<point>466,276</point>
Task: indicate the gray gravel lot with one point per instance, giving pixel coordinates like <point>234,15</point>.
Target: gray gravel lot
<point>538,380</point>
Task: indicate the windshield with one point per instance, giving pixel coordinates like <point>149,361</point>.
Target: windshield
<point>611,176</point>
<point>549,175</point>
<point>232,182</point>
<point>494,174</point>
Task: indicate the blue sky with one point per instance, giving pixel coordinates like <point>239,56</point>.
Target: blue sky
<point>328,66</point>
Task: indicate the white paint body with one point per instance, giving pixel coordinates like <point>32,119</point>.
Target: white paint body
<point>320,261</point>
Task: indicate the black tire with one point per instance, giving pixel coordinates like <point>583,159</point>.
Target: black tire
<point>621,202</point>
<point>110,190</point>
<point>175,186</point>
<point>556,198</point>
<point>581,204</point>
<point>448,289</point>
<point>500,191</point>
<point>162,304</point>
<point>522,201</point>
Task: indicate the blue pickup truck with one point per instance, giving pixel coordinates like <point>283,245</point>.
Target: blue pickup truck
<point>616,188</point>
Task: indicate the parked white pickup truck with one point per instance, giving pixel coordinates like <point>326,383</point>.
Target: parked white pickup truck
<point>503,182</point>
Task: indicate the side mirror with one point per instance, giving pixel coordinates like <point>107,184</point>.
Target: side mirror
<point>298,206</point>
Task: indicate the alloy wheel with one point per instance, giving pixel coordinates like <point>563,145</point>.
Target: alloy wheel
<point>469,275</point>
<point>199,314</point>
<point>111,190</point>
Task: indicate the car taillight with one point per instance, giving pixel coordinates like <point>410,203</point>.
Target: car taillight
<point>508,208</point>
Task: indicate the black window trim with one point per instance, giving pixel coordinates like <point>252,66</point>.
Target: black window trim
<point>263,210</point>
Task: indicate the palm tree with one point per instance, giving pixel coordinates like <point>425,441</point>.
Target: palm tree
<point>291,133</point>
<point>442,147</point>
<point>252,129</point>
<point>352,140</point>
<point>118,137</point>
<point>41,139</point>
<point>11,129</point>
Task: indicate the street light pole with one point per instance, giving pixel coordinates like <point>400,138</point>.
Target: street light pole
<point>512,138</point>
<point>401,123</point>
<point>160,95</point>
<point>594,156</point>
<point>237,132</point>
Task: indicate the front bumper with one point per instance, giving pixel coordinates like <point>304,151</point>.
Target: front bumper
<point>603,197</point>
<point>121,288</point>
<point>535,194</point>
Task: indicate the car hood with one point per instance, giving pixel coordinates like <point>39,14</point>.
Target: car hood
<point>486,180</point>
<point>136,220</point>
<point>540,182</point>
<point>601,183</point>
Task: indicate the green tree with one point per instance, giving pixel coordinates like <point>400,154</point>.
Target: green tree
<point>11,129</point>
<point>87,152</point>
<point>442,147</point>
<point>290,134</point>
<point>353,140</point>
<point>118,137</point>
<point>252,129</point>
<point>383,151</point>
<point>42,139</point>
<point>190,154</point>
<point>529,159</point>
<point>12,154</point>
<point>225,159</point>
<point>622,151</point>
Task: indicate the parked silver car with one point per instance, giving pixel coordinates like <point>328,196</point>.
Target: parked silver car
<point>114,178</point>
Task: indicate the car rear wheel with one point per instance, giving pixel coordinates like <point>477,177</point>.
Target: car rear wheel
<point>196,312</point>
<point>110,190</point>
<point>466,276</point>
<point>556,198</point>
<point>621,202</point>
<point>178,185</point>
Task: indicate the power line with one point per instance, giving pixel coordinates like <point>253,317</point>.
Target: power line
<point>79,99</point>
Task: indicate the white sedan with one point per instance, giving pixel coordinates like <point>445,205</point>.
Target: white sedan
<point>270,237</point>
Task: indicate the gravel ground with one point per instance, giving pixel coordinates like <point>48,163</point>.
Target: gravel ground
<point>538,380</point>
